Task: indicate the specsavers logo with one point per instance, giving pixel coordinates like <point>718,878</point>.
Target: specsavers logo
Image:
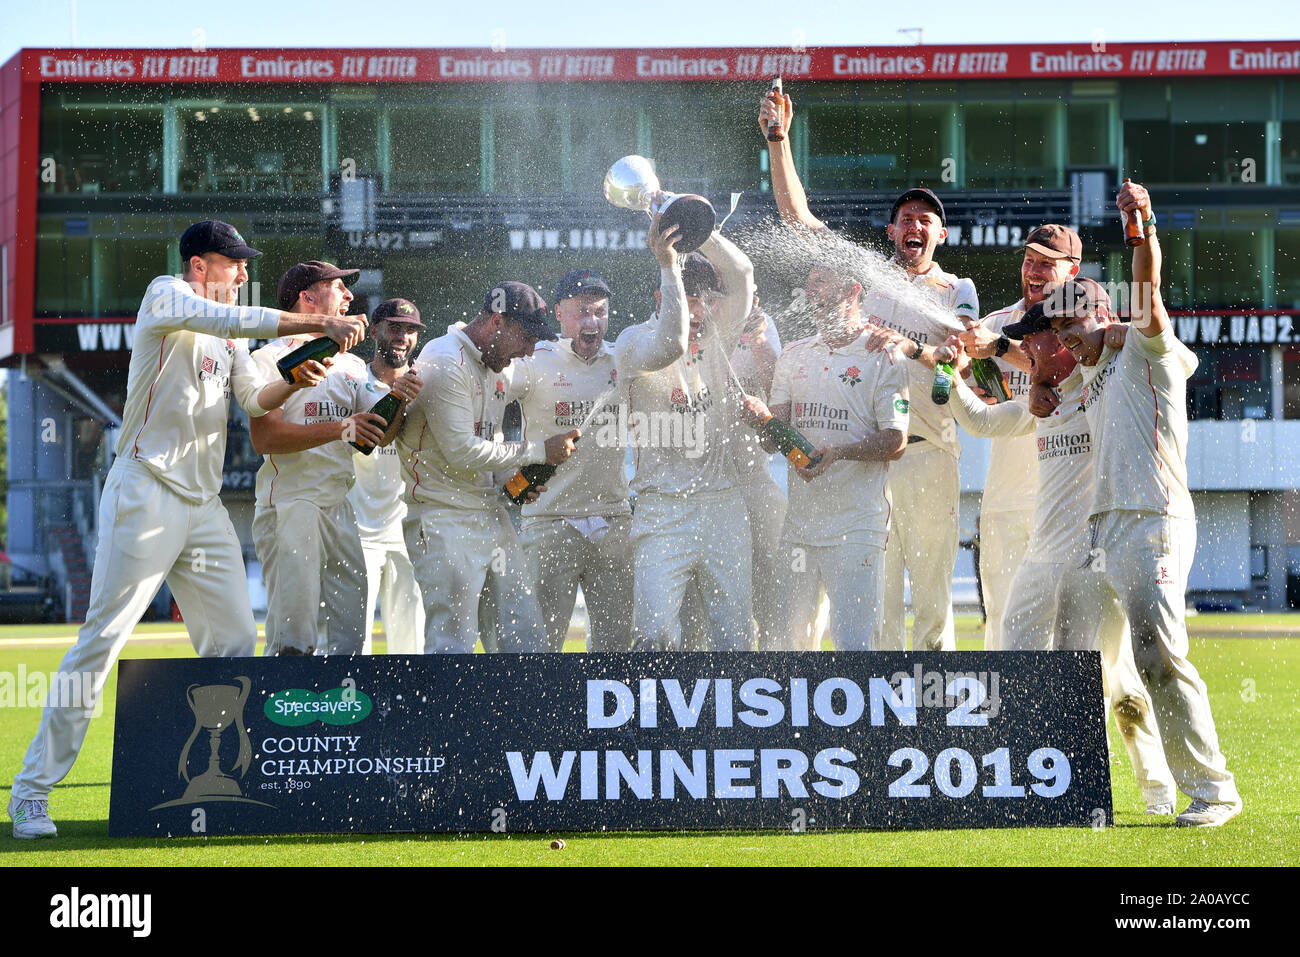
<point>297,707</point>
<point>901,405</point>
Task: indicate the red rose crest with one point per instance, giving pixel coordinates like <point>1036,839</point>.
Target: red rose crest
<point>852,375</point>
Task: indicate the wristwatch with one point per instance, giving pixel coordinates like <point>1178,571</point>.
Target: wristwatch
<point>1149,224</point>
<point>1003,345</point>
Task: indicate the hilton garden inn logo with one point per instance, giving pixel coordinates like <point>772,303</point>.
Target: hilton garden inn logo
<point>76,910</point>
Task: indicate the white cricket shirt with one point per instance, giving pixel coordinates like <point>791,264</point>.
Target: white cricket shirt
<point>451,441</point>
<point>377,495</point>
<point>188,355</point>
<point>954,296</point>
<point>323,474</point>
<point>681,416</point>
<point>838,396</point>
<point>1010,483</point>
<point>1136,400</point>
<point>557,389</point>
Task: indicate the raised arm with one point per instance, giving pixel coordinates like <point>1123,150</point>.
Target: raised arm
<point>1146,307</point>
<point>173,305</point>
<point>736,274</point>
<point>654,345</point>
<point>791,199</point>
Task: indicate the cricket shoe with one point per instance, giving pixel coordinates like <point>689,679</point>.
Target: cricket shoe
<point>31,819</point>
<point>1162,809</point>
<point>1204,814</point>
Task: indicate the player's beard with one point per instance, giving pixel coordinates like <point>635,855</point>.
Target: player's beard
<point>388,357</point>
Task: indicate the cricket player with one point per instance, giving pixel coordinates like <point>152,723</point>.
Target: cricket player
<point>579,532</point>
<point>377,495</point>
<point>1064,478</point>
<point>852,404</point>
<point>754,361</point>
<point>458,533</point>
<point>928,305</point>
<point>160,515</point>
<point>304,528</point>
<point>1052,254</point>
<point>682,406</point>
<point>1142,522</point>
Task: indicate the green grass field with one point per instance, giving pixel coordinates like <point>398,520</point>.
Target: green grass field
<point>1251,664</point>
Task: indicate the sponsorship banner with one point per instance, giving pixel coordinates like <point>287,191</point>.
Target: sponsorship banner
<point>1238,327</point>
<point>1095,59</point>
<point>807,741</point>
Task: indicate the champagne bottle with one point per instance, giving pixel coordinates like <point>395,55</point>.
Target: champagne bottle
<point>789,442</point>
<point>1133,226</point>
<point>990,378</point>
<point>942,388</point>
<point>313,349</point>
<point>774,134</point>
<point>525,479</point>
<point>387,409</point>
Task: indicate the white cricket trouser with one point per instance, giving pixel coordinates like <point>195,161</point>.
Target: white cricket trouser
<point>854,578</point>
<point>1004,541</point>
<point>562,558</point>
<point>1138,563</point>
<point>147,533</point>
<point>765,504</point>
<point>705,537</point>
<point>315,574</point>
<point>456,553</point>
<point>1030,619</point>
<point>390,580</point>
<point>925,487</point>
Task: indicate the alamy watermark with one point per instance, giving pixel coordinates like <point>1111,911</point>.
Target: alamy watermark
<point>38,689</point>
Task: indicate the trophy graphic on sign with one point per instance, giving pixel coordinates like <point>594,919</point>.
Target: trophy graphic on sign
<point>631,183</point>
<point>216,708</point>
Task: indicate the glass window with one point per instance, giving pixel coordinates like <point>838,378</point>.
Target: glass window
<point>1177,271</point>
<point>358,137</point>
<point>102,149</point>
<point>878,145</point>
<point>434,149</point>
<point>1146,151</point>
<point>704,145</point>
<point>526,145</point>
<point>80,273</point>
<point>1035,144</point>
<point>255,148</point>
<point>990,130</point>
<point>1291,384</point>
<point>1230,384</point>
<point>1217,152</point>
<point>1286,267</point>
<point>599,133</point>
<point>1226,269</point>
<point>1089,133</point>
<point>1291,153</point>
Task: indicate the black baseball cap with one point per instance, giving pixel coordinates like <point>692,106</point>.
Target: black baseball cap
<point>1075,297</point>
<point>698,275</point>
<point>214,236</point>
<point>521,303</point>
<point>303,275</point>
<point>579,281</point>
<point>924,195</point>
<point>397,310</point>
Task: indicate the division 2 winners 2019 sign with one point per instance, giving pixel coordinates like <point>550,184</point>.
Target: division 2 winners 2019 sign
<point>600,742</point>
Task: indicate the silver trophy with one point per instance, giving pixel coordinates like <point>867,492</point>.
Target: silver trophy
<point>631,183</point>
